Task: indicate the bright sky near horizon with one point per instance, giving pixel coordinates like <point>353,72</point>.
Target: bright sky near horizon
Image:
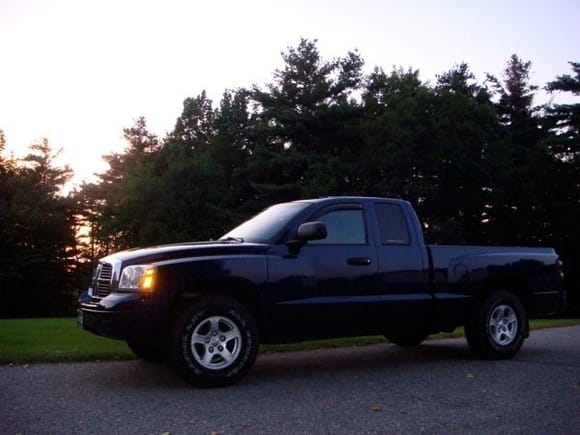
<point>78,71</point>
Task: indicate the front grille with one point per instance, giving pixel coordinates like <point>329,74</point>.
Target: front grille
<point>102,286</point>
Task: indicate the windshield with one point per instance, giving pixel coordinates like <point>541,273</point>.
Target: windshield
<point>266,225</point>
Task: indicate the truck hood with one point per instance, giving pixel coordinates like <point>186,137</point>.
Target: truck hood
<point>155,254</point>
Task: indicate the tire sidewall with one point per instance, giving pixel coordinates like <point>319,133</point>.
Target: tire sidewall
<point>183,353</point>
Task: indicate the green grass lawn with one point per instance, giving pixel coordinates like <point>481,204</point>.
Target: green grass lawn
<point>24,341</point>
<point>52,340</point>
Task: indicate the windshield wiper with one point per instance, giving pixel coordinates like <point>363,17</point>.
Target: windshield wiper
<point>232,239</point>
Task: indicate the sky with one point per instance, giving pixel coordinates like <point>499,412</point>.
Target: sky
<point>77,71</point>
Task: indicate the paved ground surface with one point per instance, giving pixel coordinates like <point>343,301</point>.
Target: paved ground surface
<point>437,388</point>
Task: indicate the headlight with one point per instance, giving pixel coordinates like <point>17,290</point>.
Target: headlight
<point>137,278</point>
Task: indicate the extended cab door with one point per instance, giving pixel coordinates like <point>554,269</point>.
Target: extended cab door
<point>328,287</point>
<point>404,292</point>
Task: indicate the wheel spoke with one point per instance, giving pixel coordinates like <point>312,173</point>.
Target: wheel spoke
<point>227,355</point>
<point>199,339</point>
<point>511,319</point>
<point>230,335</point>
<point>497,334</point>
<point>207,359</point>
<point>215,325</point>
<point>507,313</point>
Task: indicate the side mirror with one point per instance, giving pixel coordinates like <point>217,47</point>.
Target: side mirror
<point>312,231</point>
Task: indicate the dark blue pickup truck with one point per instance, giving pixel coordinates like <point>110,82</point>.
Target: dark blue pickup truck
<point>321,268</point>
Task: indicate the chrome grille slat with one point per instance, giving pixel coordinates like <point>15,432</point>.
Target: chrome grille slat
<point>102,286</point>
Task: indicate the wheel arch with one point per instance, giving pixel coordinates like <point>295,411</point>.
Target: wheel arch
<point>239,289</point>
<point>514,285</point>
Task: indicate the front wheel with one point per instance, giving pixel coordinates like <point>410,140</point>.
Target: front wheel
<point>214,342</point>
<point>499,327</point>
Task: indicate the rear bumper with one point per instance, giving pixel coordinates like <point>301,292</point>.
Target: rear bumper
<point>118,316</point>
<point>548,303</point>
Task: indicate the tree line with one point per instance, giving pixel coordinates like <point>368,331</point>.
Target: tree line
<point>479,161</point>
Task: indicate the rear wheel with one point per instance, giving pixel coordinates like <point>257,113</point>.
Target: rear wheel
<point>499,328</point>
<point>214,343</point>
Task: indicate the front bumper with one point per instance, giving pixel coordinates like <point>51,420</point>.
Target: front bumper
<point>119,315</point>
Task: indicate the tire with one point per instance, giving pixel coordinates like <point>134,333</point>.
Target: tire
<point>498,328</point>
<point>214,343</point>
<point>407,338</point>
<point>151,352</point>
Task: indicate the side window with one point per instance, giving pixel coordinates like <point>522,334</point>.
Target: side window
<point>392,224</point>
<point>344,227</point>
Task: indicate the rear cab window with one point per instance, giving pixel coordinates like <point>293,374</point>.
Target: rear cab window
<point>393,227</point>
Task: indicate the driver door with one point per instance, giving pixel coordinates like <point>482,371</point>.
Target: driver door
<point>329,287</point>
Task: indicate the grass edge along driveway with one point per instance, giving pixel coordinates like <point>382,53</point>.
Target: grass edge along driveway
<point>27,341</point>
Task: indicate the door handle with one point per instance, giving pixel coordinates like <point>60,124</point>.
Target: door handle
<point>359,261</point>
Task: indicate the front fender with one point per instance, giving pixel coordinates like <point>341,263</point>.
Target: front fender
<point>236,274</point>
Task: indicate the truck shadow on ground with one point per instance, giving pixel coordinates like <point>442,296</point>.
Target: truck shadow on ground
<point>353,360</point>
<point>299,366</point>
